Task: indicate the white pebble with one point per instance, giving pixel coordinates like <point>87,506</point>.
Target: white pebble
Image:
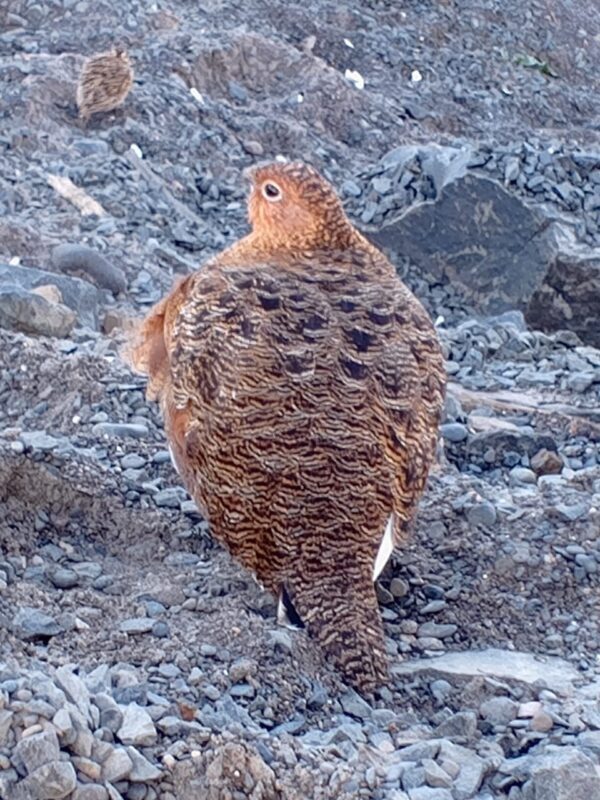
<point>31,730</point>
<point>168,760</point>
<point>355,77</point>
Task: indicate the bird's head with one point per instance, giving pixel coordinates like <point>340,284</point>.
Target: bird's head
<point>119,51</point>
<point>291,206</point>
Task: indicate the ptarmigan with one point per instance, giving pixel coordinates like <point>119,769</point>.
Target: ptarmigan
<point>301,384</point>
<point>104,82</point>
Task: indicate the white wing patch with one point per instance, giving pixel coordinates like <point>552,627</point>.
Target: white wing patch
<point>385,548</point>
<point>173,459</point>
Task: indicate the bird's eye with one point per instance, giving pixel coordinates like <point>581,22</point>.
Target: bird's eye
<point>271,191</point>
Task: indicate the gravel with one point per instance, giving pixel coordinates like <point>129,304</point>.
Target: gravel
<point>137,661</point>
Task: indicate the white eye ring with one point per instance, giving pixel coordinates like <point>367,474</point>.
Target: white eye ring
<point>271,192</point>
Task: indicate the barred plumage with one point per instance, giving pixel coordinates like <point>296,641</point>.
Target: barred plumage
<point>301,384</point>
<point>104,82</point>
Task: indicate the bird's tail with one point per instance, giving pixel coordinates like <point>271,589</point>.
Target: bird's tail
<point>341,613</point>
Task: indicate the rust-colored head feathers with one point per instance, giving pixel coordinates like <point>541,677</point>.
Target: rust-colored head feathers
<point>291,205</point>
<point>104,83</point>
<point>301,384</point>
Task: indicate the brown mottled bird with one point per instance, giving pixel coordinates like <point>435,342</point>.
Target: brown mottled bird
<point>301,384</point>
<point>104,82</point>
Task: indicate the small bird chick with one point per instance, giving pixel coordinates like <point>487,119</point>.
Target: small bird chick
<point>301,384</point>
<point>104,82</point>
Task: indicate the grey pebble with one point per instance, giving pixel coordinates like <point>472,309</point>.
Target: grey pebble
<point>462,725</point>
<point>428,793</point>
<point>89,570</point>
<point>133,461</point>
<point>161,629</point>
<point>137,727</point>
<point>38,749</point>
<point>433,607</point>
<point>56,780</point>
<point>168,498</point>
<point>419,750</point>
<point>354,705</point>
<point>399,588</point>
<point>31,623</point>
<point>120,430</point>
<point>413,777</point>
<point>117,766</point>
<point>499,710</point>
<point>39,440</point>
<point>63,578</point>
<point>522,475</point>
<point>27,312</point>
<point>137,625</point>
<point>436,630</point>
<point>435,776</point>
<point>454,432</point>
<point>161,457</point>
<point>90,791</point>
<point>482,513</point>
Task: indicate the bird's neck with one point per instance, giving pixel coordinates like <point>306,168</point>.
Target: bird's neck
<point>258,246</point>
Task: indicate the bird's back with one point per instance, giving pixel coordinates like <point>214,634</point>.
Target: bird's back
<point>320,358</point>
<point>104,83</point>
<point>301,384</point>
<point>302,402</point>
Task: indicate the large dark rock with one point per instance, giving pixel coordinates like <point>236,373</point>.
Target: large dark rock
<point>78,295</point>
<point>480,237</point>
<point>502,254</point>
<point>569,296</point>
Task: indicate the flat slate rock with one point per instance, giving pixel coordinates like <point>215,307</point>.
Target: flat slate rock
<point>557,674</point>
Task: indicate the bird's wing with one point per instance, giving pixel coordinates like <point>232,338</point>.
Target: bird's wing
<point>148,351</point>
<point>390,346</point>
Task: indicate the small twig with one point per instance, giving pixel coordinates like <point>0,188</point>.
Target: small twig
<point>75,195</point>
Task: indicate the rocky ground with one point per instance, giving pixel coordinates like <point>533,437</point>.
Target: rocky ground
<point>137,661</point>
